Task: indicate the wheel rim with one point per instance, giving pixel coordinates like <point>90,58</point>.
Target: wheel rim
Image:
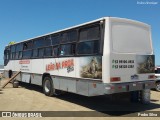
<point>47,86</point>
<point>158,86</point>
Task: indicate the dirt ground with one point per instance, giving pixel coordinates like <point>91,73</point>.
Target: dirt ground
<point>30,98</point>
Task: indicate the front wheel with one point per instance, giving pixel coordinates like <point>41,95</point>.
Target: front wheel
<point>158,86</point>
<point>48,89</point>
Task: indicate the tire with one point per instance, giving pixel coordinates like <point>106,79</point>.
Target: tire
<point>145,96</point>
<point>48,89</point>
<point>158,86</point>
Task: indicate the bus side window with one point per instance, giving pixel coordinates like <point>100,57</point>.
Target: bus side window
<point>88,47</point>
<point>27,54</point>
<point>55,39</point>
<point>20,55</point>
<point>55,51</point>
<point>67,49</point>
<point>40,52</point>
<point>91,33</point>
<point>48,51</point>
<point>35,53</point>
<point>12,55</point>
<point>16,55</point>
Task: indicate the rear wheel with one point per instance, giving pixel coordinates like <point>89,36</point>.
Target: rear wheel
<point>145,96</point>
<point>48,89</point>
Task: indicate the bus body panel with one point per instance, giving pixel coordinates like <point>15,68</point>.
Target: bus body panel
<point>127,47</point>
<point>132,68</point>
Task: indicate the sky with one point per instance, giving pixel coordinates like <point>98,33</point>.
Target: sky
<point>24,19</point>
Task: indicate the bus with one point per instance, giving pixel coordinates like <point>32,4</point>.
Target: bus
<point>104,56</point>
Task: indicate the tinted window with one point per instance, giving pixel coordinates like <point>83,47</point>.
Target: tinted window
<point>55,39</point>
<point>48,51</point>
<point>27,45</point>
<point>13,48</point>
<point>6,54</point>
<point>12,55</point>
<point>47,41</point>
<point>41,52</point>
<point>16,55</point>
<point>73,35</point>
<point>83,35</point>
<point>20,55</point>
<point>19,47</point>
<point>6,57</point>
<point>39,43</point>
<point>35,53</point>
<point>92,33</point>
<point>65,37</point>
<point>69,36</point>
<point>91,47</point>
<point>27,54</point>
<point>55,51</point>
<point>67,49</point>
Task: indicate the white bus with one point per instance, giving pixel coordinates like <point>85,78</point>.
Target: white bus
<point>105,56</point>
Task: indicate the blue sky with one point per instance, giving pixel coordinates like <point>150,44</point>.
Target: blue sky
<point>23,19</point>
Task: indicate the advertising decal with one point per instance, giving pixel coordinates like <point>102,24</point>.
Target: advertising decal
<point>91,67</point>
<point>145,64</point>
<point>68,64</point>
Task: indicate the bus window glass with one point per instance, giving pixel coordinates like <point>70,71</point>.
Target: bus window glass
<point>83,35</point>
<point>55,39</point>
<point>89,47</point>
<point>47,41</point>
<point>19,47</point>
<point>20,55</point>
<point>39,43</point>
<point>69,36</point>
<point>27,45</point>
<point>41,52</point>
<point>65,37</point>
<point>67,49</point>
<point>48,51</point>
<point>12,55</point>
<point>73,36</point>
<point>13,48</point>
<point>35,53</point>
<point>27,54</point>
<point>92,33</point>
<point>55,51</point>
<point>16,55</point>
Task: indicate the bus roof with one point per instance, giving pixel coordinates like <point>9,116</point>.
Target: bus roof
<point>93,21</point>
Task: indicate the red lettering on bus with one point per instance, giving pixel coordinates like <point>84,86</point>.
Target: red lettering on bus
<point>24,62</point>
<point>57,66</point>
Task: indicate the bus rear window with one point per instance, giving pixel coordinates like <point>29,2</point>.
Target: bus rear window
<point>131,38</point>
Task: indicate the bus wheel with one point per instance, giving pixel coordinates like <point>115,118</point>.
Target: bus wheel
<point>145,96</point>
<point>158,86</point>
<point>48,89</point>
